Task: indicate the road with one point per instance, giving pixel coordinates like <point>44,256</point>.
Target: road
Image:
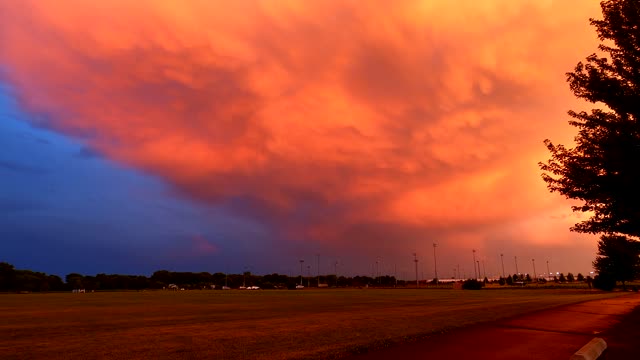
<point>550,334</point>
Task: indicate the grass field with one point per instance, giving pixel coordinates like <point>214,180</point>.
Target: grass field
<point>248,324</point>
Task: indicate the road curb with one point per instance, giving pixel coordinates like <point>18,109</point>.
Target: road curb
<point>591,351</point>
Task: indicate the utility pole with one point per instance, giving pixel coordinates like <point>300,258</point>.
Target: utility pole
<point>301,261</point>
<point>474,264</point>
<point>415,260</point>
<point>502,261</point>
<point>435,263</point>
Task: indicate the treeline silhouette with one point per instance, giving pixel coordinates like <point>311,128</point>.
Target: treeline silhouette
<point>14,280</point>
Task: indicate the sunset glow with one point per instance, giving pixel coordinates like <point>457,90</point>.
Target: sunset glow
<point>347,128</point>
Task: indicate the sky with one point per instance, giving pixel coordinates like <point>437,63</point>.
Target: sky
<point>247,135</point>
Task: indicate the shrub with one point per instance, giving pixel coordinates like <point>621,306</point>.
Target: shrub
<point>509,280</point>
<point>472,284</point>
<point>604,282</point>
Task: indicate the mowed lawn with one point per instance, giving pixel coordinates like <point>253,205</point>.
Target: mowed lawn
<point>272,324</point>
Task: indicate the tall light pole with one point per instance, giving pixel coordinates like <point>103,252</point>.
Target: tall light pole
<point>484,273</point>
<point>395,273</point>
<point>533,261</point>
<point>301,261</point>
<point>516,259</point>
<point>502,261</point>
<point>548,273</point>
<point>318,256</point>
<point>459,271</point>
<point>335,270</point>
<point>415,260</point>
<point>244,276</point>
<point>478,267</point>
<point>435,263</point>
<point>474,264</point>
<point>309,275</point>
<point>377,272</point>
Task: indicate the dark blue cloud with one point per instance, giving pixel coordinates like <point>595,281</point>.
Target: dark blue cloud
<point>64,208</point>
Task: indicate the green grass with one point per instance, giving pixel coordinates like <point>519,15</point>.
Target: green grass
<point>248,324</point>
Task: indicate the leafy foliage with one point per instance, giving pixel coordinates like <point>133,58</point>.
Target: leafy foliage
<point>472,284</point>
<point>618,258</point>
<point>604,282</point>
<point>603,170</point>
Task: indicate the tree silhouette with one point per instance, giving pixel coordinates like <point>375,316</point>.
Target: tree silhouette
<point>603,170</point>
<point>618,258</point>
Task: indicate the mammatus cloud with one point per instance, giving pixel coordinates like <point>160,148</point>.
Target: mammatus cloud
<point>321,119</point>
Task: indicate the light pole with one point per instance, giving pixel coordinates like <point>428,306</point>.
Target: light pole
<point>377,272</point>
<point>474,264</point>
<point>395,273</point>
<point>533,261</point>
<point>244,276</point>
<point>478,267</point>
<point>502,261</point>
<point>301,261</point>
<point>548,273</point>
<point>458,270</point>
<point>435,263</point>
<point>517,272</point>
<point>484,273</point>
<point>335,270</point>
<point>309,275</point>
<point>415,260</point>
<point>318,256</point>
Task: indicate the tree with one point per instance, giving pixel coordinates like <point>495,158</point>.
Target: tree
<point>603,170</point>
<point>570,277</point>
<point>562,278</point>
<point>472,284</point>
<point>604,282</point>
<point>618,258</point>
<point>7,276</point>
<point>580,277</point>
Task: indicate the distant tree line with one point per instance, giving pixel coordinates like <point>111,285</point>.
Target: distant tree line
<point>516,279</point>
<point>13,280</point>
<point>27,280</point>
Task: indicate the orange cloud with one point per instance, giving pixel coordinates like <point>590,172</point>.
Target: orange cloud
<point>316,117</point>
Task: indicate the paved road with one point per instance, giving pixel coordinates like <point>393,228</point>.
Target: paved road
<point>549,334</point>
